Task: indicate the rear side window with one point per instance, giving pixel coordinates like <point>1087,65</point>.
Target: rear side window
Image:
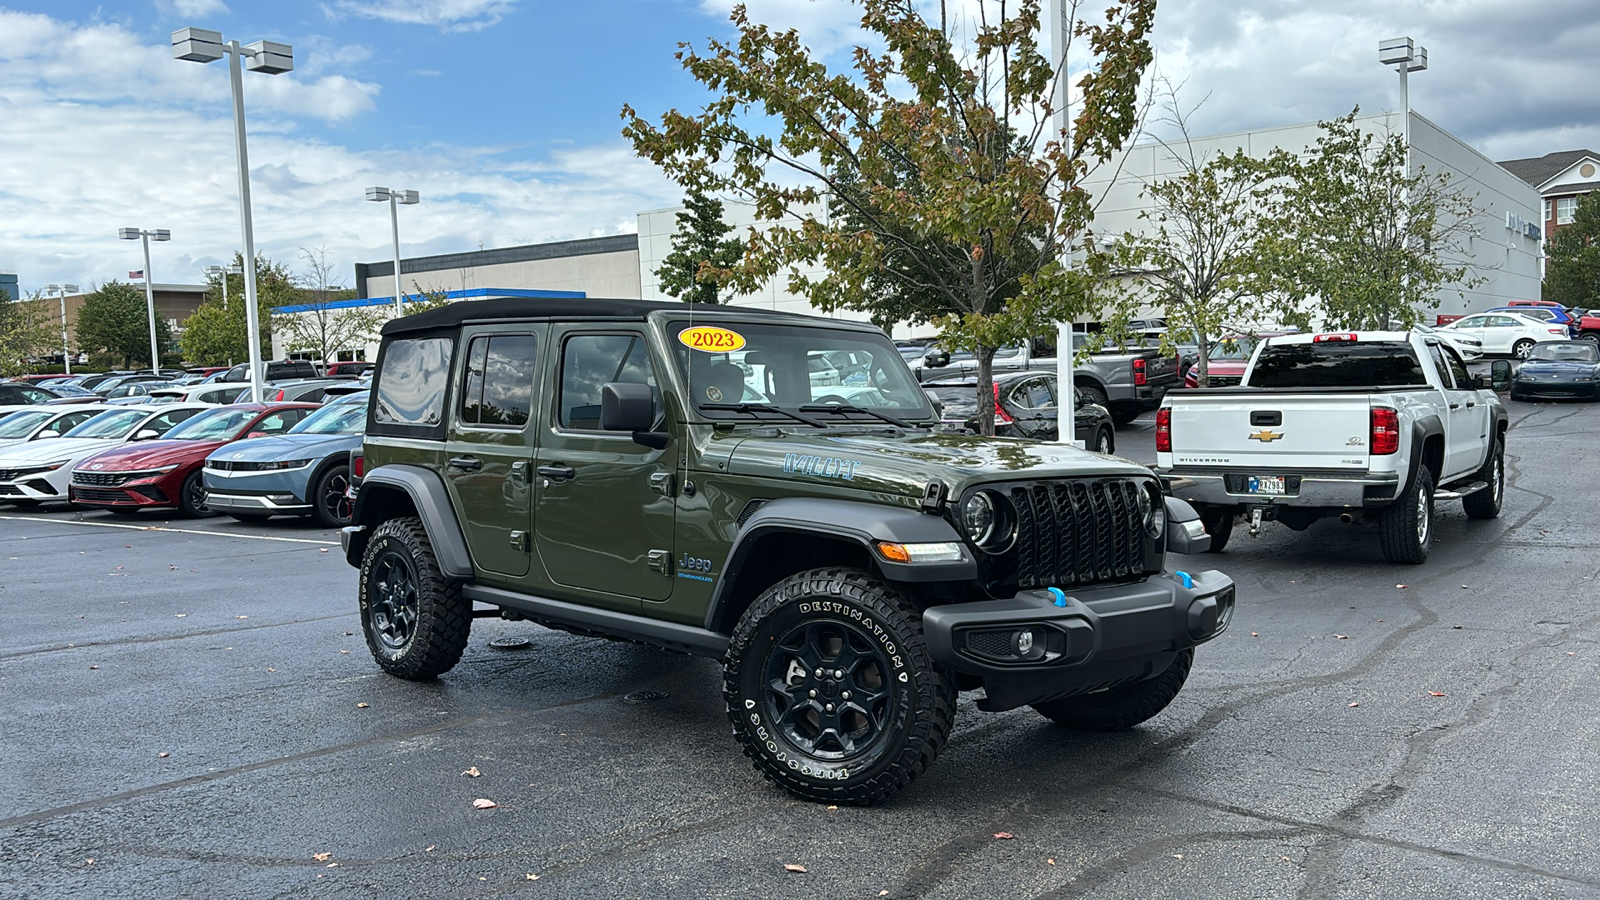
<point>412,383</point>
<point>498,388</point>
<point>590,362</point>
<point>1337,364</point>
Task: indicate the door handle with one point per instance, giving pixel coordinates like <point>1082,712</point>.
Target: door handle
<point>557,473</point>
<point>1471,403</point>
<point>1455,406</point>
<point>466,463</point>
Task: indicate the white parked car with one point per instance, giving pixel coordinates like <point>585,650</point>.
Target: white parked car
<point>218,394</point>
<point>1465,344</point>
<point>38,471</point>
<point>45,422</point>
<point>1505,332</point>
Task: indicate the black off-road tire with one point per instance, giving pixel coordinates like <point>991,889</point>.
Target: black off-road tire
<point>1122,707</point>
<point>328,511</point>
<point>901,706</point>
<point>250,518</point>
<point>415,620</point>
<point>1218,521</point>
<point>1485,504</point>
<point>1406,526</point>
<point>190,506</point>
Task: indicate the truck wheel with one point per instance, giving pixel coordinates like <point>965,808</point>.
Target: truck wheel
<point>830,688</point>
<point>1123,707</point>
<point>1485,504</point>
<point>1405,528</point>
<point>415,620</point>
<point>192,497</point>
<point>1096,395</point>
<point>1218,521</point>
<point>1522,349</point>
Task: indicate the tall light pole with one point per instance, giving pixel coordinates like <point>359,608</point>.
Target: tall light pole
<point>394,196</point>
<point>62,290</point>
<point>145,237</point>
<point>222,273</point>
<point>1406,57</point>
<point>203,46</point>
<point>1058,30</point>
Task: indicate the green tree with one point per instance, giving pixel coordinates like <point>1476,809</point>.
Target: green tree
<point>1358,240</point>
<point>701,252</point>
<point>979,241</point>
<point>217,332</point>
<point>1196,260</point>
<point>115,319</point>
<point>26,331</point>
<point>1572,270</point>
<point>421,301</point>
<point>320,321</point>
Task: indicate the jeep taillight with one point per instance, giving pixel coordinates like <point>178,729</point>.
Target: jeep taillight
<point>358,465</point>
<point>1139,378</point>
<point>1000,416</point>
<point>1385,431</point>
<point>1164,430</point>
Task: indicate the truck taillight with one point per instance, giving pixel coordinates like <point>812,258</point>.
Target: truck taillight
<point>1164,430</point>
<point>1385,431</point>
<point>1000,417</point>
<point>1139,378</point>
<point>358,465</point>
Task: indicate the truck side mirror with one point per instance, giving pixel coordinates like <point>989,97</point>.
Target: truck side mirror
<point>630,407</point>
<point>936,359</point>
<point>1500,375</point>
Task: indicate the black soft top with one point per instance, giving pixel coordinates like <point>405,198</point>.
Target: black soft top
<point>516,309</point>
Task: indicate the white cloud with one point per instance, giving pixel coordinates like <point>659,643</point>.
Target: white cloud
<point>451,15</point>
<point>198,7</point>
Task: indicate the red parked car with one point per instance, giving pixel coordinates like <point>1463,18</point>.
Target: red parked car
<point>166,474</point>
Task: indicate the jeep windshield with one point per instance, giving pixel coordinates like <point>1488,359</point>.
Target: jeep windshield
<point>793,368</point>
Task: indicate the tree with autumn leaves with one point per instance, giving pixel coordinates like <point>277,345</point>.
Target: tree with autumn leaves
<point>951,196</point>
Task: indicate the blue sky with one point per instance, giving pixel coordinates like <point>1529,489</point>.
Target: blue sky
<point>504,113</point>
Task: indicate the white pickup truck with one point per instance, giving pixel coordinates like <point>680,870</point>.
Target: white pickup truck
<point>1362,425</point>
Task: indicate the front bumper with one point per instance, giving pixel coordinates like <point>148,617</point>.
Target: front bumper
<point>284,504</point>
<point>1523,387</point>
<point>1088,640</point>
<point>1354,490</point>
<point>152,493</point>
<point>43,486</point>
<point>280,493</point>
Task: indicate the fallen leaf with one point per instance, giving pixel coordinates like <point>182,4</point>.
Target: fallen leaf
<point>1286,859</point>
<point>331,866</point>
<point>163,754</point>
<point>241,617</point>
<point>94,667</point>
<point>1003,835</point>
<point>530,876</point>
<point>883,893</point>
<point>1455,627</point>
<point>1354,705</point>
<point>271,669</point>
<point>348,633</point>
<point>322,549</point>
<point>791,867</point>
<point>430,848</point>
<point>1342,637</point>
<point>344,651</point>
<point>1049,862</point>
<point>484,803</point>
<point>1401,586</point>
<point>173,568</point>
<point>1177,856</point>
<point>321,857</point>
<point>181,616</point>
<point>1253,634</point>
<point>358,705</point>
<point>1465,588</point>
<point>472,772</point>
<point>833,807</point>
<point>1435,694</point>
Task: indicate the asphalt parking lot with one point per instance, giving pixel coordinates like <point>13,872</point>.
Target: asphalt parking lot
<point>190,711</point>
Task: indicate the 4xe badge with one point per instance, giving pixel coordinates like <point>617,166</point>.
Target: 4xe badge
<point>1265,436</point>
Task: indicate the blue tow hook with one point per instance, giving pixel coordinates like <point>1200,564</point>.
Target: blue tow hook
<point>1059,594</point>
<point>1184,577</point>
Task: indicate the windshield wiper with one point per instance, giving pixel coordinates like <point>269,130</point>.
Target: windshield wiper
<point>760,408</point>
<point>847,407</point>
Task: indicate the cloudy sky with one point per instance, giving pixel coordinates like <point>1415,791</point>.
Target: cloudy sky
<point>504,113</point>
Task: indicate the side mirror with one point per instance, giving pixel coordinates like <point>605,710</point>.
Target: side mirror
<point>46,434</point>
<point>1500,375</point>
<point>146,434</point>
<point>626,407</point>
<point>936,359</point>
<point>1185,532</point>
<point>938,405</point>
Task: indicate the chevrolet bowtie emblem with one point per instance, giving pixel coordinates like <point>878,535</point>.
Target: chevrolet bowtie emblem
<point>1265,437</point>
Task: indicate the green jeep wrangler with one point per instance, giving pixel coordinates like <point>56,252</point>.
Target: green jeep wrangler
<point>773,491</point>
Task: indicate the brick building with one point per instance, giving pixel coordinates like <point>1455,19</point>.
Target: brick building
<point>1560,178</point>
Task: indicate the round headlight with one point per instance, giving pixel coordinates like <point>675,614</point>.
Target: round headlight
<point>977,515</point>
<point>1154,509</point>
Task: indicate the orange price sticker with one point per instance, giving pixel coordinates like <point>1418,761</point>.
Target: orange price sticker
<point>711,339</point>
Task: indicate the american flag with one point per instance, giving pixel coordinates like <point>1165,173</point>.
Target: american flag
<point>136,275</point>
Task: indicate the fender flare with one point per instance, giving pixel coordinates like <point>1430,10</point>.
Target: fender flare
<point>1421,430</point>
<point>432,502</point>
<point>861,523</point>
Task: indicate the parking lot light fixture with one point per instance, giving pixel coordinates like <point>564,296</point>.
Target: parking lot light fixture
<point>395,198</point>
<point>145,236</point>
<point>61,291</point>
<point>270,57</point>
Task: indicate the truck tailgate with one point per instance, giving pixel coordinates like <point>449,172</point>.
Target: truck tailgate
<point>1271,431</point>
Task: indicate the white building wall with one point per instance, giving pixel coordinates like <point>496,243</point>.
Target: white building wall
<point>612,276</point>
<point>1508,260</point>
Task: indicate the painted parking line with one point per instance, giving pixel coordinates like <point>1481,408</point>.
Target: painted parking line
<point>226,534</point>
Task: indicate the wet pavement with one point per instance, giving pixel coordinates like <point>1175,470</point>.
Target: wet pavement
<point>190,711</point>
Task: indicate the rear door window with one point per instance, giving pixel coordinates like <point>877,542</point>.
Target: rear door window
<point>497,390</point>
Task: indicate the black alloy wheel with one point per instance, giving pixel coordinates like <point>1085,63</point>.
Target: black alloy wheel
<point>393,600</point>
<point>827,689</point>
<point>332,507</point>
<point>192,499</point>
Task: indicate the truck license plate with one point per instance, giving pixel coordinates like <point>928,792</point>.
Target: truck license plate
<point>1266,484</point>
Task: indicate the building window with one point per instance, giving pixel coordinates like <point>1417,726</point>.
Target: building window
<point>1547,211</point>
<point>1565,207</point>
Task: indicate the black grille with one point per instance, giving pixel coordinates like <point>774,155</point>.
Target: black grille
<point>1223,380</point>
<point>749,510</point>
<point>99,495</point>
<point>14,474</point>
<point>994,644</point>
<point>99,479</point>
<point>1072,533</point>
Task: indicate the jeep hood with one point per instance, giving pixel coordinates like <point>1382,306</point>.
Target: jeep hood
<point>875,461</point>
